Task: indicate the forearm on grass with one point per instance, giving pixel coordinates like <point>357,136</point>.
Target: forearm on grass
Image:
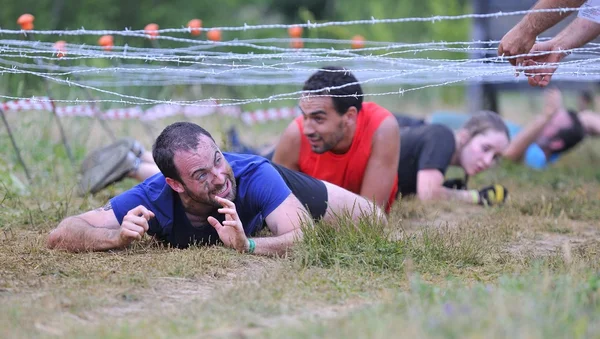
<point>444,193</point>
<point>76,235</point>
<point>277,245</point>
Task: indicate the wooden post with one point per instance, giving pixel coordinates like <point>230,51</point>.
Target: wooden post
<point>14,143</point>
<point>480,95</point>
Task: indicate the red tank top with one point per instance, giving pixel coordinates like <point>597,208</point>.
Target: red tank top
<point>347,170</point>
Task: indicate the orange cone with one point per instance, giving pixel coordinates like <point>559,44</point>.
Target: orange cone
<point>358,41</point>
<point>151,30</point>
<point>106,41</point>
<point>195,26</point>
<point>26,21</point>
<point>214,35</point>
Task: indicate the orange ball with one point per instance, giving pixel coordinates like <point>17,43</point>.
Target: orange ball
<point>214,35</point>
<point>26,21</point>
<point>195,26</point>
<point>106,41</point>
<point>151,31</point>
<point>61,48</point>
<point>358,41</point>
<point>297,43</point>
<point>295,31</point>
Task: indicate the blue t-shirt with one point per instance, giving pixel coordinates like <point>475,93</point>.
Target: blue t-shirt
<point>534,156</point>
<point>260,190</point>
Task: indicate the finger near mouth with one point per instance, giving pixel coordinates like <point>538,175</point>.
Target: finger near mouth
<point>219,193</point>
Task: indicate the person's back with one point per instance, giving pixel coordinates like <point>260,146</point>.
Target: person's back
<point>423,147</point>
<point>346,170</point>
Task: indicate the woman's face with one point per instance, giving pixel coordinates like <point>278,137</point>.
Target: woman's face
<point>482,151</point>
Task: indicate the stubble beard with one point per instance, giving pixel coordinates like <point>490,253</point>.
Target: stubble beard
<point>328,146</point>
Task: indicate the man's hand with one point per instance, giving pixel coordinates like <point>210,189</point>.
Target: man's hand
<point>492,195</point>
<point>134,225</point>
<point>231,232</point>
<point>553,55</point>
<point>517,41</point>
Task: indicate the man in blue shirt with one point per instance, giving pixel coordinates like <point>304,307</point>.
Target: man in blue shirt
<point>202,196</point>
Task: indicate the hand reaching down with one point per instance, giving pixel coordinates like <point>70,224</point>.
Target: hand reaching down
<point>231,232</point>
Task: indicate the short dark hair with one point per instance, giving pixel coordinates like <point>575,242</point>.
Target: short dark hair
<point>179,136</point>
<point>571,136</point>
<point>332,76</point>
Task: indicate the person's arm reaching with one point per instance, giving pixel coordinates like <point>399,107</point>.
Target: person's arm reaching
<point>522,141</point>
<point>520,39</point>
<point>99,230</point>
<point>590,122</point>
<point>578,33</point>
<point>284,222</point>
<point>382,168</point>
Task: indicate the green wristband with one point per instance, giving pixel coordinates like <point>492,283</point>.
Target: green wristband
<point>475,195</point>
<point>251,246</point>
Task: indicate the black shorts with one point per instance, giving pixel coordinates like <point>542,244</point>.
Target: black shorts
<point>311,192</point>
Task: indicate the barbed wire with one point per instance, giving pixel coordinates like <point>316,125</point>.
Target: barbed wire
<point>308,24</point>
<point>201,62</point>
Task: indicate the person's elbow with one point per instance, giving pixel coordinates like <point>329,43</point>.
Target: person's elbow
<point>55,238</point>
<point>58,237</point>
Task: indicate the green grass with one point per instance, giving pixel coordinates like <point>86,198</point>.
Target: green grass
<point>533,304</point>
<point>526,269</point>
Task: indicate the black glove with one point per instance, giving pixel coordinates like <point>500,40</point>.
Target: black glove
<point>456,184</point>
<point>492,195</point>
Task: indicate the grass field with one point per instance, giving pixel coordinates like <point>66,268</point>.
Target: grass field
<point>527,269</point>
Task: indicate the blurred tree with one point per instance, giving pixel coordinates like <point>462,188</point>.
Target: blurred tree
<point>321,9</point>
<point>135,14</point>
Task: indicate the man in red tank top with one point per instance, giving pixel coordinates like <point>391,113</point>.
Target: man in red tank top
<point>343,140</point>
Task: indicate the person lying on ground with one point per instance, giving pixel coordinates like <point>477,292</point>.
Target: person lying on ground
<point>339,138</point>
<point>201,195</point>
<point>541,142</point>
<point>428,150</point>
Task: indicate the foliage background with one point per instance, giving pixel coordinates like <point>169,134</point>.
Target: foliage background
<point>135,14</point>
